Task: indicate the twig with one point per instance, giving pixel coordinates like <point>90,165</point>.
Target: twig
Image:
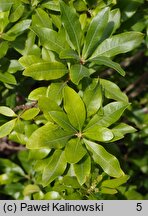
<point>7,146</point>
<point>25,106</point>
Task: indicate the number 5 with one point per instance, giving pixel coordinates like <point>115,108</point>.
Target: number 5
<point>139,207</point>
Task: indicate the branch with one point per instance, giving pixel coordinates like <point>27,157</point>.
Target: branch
<point>25,106</point>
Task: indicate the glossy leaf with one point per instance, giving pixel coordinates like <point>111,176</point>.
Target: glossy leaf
<point>46,71</point>
<point>78,72</point>
<point>113,23</point>
<point>17,13</point>
<point>93,99</point>
<point>111,113</point>
<point>74,151</point>
<point>38,154</point>
<point>49,38</point>
<point>114,183</point>
<point>37,93</point>
<point>69,54</point>
<point>7,111</point>
<point>82,170</point>
<point>103,60</point>
<point>5,5</point>
<point>117,44</point>
<point>72,25</point>
<point>108,191</point>
<point>28,60</point>
<point>112,91</point>
<point>3,48</point>
<point>30,189</point>
<point>41,18</point>
<point>98,133</point>
<point>124,128</point>
<point>30,113</point>
<point>52,5</point>
<point>107,161</point>
<point>95,31</point>
<point>7,78</point>
<point>6,128</point>
<point>54,92</point>
<point>19,28</point>
<point>74,108</point>
<point>48,136</point>
<point>47,105</point>
<point>62,120</point>
<point>52,195</point>
<point>54,168</point>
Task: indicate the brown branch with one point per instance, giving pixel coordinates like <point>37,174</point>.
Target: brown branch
<point>25,106</point>
<point>6,146</point>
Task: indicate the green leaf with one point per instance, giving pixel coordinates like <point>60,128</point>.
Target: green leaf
<point>47,105</point>
<point>113,23</point>
<point>72,25</point>
<point>124,128</point>
<point>3,48</point>
<point>108,191</point>
<point>49,38</point>
<point>19,28</point>
<point>7,78</point>
<point>111,113</point>
<point>74,108</point>
<point>78,72</point>
<point>17,13</point>
<point>5,5</point>
<point>74,151</point>
<point>54,92</point>
<point>117,44</point>
<point>69,54</point>
<point>98,133</point>
<point>48,136</point>
<point>41,18</point>
<point>103,60</point>
<point>30,113</point>
<point>37,93</point>
<point>52,195</point>
<point>107,161</point>
<point>14,66</point>
<point>52,5</point>
<point>30,189</point>
<point>82,170</point>
<point>7,111</point>
<point>54,168</point>
<point>95,31</point>
<point>62,120</point>
<point>92,98</point>
<point>114,183</point>
<point>38,154</point>
<point>28,60</point>
<point>6,128</point>
<point>112,91</point>
<point>46,70</point>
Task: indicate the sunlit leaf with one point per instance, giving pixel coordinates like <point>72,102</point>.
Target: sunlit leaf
<point>6,128</point>
<point>72,25</point>
<point>46,71</point>
<point>48,136</point>
<point>54,168</point>
<point>107,161</point>
<point>74,151</point>
<point>74,108</point>
<point>117,44</point>
<point>82,169</point>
